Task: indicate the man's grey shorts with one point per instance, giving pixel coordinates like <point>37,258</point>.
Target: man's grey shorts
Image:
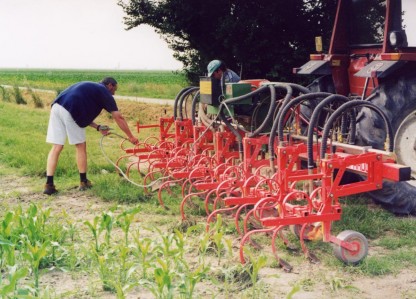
<point>62,125</point>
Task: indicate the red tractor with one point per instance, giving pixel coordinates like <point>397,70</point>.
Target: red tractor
<point>372,56</point>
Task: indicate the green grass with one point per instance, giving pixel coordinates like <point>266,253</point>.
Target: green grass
<point>153,84</point>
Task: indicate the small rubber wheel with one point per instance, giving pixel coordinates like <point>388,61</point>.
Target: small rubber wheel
<point>347,256</point>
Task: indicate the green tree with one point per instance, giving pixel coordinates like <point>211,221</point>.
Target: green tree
<point>259,38</point>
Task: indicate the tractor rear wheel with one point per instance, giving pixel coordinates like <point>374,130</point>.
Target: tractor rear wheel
<point>396,95</point>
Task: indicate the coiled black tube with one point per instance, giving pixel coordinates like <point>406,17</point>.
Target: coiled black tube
<point>291,104</point>
<point>350,105</point>
<point>175,103</point>
<point>314,122</point>
<point>235,100</point>
<point>290,89</point>
<point>181,99</point>
<point>194,103</point>
<point>269,115</point>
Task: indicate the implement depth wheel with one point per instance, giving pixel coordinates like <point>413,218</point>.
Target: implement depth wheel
<point>347,256</point>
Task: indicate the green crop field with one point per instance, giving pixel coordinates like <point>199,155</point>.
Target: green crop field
<point>152,84</point>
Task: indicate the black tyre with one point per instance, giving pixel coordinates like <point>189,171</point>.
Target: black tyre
<point>321,84</point>
<point>396,95</point>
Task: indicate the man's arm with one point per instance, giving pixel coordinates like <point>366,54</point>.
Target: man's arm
<point>121,122</point>
<point>94,125</point>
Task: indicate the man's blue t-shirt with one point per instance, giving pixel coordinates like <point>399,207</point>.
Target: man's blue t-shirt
<point>85,101</point>
<point>231,76</point>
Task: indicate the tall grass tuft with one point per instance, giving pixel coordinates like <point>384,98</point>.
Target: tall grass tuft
<point>37,101</point>
<point>18,97</point>
<point>5,96</point>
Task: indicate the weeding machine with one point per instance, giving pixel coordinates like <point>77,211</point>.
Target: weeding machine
<point>278,155</point>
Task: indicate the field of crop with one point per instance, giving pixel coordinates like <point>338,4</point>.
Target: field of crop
<point>151,84</point>
<point>117,241</point>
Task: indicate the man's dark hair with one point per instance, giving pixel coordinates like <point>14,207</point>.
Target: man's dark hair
<point>108,80</point>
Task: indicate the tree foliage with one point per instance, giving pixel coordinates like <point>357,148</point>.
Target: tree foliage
<point>257,38</point>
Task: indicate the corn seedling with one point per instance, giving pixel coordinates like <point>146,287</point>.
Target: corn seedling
<point>189,278</point>
<point>218,240</point>
<point>6,225</point>
<point>166,248</point>
<point>253,267</point>
<point>204,245</point>
<point>116,271</point>
<point>7,253</point>
<point>71,226</point>
<point>106,224</point>
<point>180,242</point>
<point>9,288</point>
<point>94,229</point>
<point>163,280</point>
<point>143,250</point>
<point>219,246</point>
<point>33,223</point>
<point>34,255</point>
<point>293,291</point>
<point>104,271</point>
<point>124,220</point>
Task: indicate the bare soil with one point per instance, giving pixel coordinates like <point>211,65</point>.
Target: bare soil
<point>315,280</point>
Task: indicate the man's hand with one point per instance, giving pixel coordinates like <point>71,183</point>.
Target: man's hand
<point>134,140</point>
<point>103,129</point>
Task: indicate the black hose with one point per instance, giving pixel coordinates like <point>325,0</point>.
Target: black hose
<point>175,103</point>
<point>294,102</point>
<point>194,102</point>
<point>225,120</point>
<point>289,87</point>
<point>350,105</point>
<point>313,124</point>
<point>243,97</point>
<point>293,86</point>
<point>182,97</point>
<point>269,115</point>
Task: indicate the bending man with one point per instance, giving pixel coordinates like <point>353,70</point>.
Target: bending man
<point>72,111</point>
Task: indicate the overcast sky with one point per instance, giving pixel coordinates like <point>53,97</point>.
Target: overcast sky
<point>86,34</point>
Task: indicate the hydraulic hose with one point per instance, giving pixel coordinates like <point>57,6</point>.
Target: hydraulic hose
<point>314,122</point>
<point>269,115</point>
<point>194,103</point>
<point>351,105</point>
<point>175,103</point>
<point>243,97</point>
<point>293,103</point>
<point>182,98</point>
<point>288,98</point>
<point>227,123</point>
<point>290,87</point>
